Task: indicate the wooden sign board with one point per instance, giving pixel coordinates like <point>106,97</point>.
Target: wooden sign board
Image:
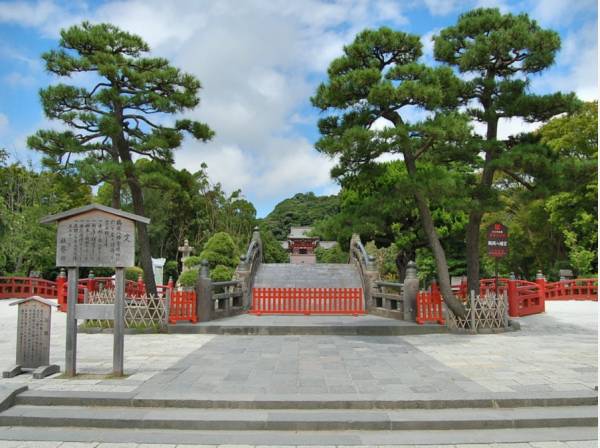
<point>497,240</point>
<point>97,239</point>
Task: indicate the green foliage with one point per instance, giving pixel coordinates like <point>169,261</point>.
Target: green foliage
<point>133,273</point>
<point>192,261</point>
<point>273,252</point>
<point>221,273</point>
<point>333,255</point>
<point>303,209</point>
<point>188,278</point>
<point>27,196</point>
<point>385,257</point>
<point>220,249</point>
<point>171,270</point>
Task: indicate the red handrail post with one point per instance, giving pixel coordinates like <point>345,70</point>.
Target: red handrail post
<point>61,290</point>
<point>91,282</point>
<point>540,280</point>
<point>140,286</point>
<point>513,299</point>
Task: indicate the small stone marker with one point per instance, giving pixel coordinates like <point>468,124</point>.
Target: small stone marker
<point>33,338</point>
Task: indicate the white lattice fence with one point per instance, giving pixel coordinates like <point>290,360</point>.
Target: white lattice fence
<point>489,312</point>
<point>143,311</point>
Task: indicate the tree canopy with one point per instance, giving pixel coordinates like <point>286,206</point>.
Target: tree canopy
<point>119,116</point>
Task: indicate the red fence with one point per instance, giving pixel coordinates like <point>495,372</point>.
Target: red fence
<point>579,289</point>
<point>307,301</point>
<point>524,298</point>
<point>23,287</point>
<point>429,306</point>
<point>183,307</point>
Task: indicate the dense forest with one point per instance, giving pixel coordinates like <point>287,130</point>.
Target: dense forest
<point>432,201</point>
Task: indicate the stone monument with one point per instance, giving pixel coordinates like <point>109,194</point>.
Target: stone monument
<point>95,236</point>
<point>33,338</point>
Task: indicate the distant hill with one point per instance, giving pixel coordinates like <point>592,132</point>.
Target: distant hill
<point>303,209</point>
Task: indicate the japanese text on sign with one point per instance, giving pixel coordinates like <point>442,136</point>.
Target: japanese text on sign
<point>497,240</point>
<point>95,239</point>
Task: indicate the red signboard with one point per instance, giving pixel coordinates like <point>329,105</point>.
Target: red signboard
<point>497,240</point>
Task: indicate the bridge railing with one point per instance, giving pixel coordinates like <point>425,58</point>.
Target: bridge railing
<point>247,268</point>
<point>367,269</point>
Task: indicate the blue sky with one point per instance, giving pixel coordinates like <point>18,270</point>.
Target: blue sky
<point>259,63</point>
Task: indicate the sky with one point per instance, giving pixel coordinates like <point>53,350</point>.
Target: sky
<point>259,62</point>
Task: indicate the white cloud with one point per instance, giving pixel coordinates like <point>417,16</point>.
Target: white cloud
<point>3,123</point>
<point>507,127</point>
<point>28,14</point>
<point>561,12</point>
<point>441,7</point>
<point>576,67</point>
<point>18,79</point>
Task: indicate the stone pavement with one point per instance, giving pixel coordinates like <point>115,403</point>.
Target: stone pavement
<point>22,444</point>
<point>554,354</point>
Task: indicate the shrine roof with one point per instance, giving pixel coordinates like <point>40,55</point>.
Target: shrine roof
<point>88,208</point>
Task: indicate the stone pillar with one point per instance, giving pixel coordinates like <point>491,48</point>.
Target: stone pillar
<point>158,265</point>
<point>204,304</point>
<point>411,288</point>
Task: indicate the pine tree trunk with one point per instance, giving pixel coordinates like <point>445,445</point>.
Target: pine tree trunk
<point>116,193</point>
<point>477,210</point>
<point>138,208</point>
<point>434,242</point>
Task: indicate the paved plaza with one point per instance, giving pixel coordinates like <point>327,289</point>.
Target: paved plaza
<point>554,355</point>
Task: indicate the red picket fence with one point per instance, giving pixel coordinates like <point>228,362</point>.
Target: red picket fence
<point>23,287</point>
<point>578,289</point>
<point>429,306</point>
<point>307,301</point>
<point>183,306</point>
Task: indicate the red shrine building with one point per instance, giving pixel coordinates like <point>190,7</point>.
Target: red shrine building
<point>302,247</point>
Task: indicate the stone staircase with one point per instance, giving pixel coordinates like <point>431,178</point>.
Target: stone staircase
<point>127,418</point>
<point>320,275</point>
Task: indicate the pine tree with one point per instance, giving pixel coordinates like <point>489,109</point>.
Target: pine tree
<point>119,117</point>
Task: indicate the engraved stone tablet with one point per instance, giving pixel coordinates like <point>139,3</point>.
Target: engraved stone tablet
<point>95,238</point>
<point>33,334</point>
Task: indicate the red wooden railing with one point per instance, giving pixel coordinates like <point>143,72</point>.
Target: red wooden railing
<point>23,287</point>
<point>524,298</point>
<point>307,301</point>
<point>578,289</point>
<point>429,306</point>
<point>183,306</point>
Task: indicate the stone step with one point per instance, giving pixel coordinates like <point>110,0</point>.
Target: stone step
<point>298,420</point>
<point>301,438</point>
<point>307,276</point>
<point>118,399</point>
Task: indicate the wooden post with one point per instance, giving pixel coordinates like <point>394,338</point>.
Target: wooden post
<point>472,301</point>
<point>119,322</point>
<point>71,341</point>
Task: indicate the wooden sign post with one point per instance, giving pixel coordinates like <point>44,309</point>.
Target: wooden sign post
<point>95,236</point>
<point>497,243</point>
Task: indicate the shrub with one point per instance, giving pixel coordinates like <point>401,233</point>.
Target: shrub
<point>133,273</point>
<point>170,270</point>
<point>220,249</point>
<point>188,278</point>
<point>221,273</point>
<point>192,262</point>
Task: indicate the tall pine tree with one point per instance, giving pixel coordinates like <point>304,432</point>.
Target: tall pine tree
<point>500,52</point>
<point>119,117</point>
